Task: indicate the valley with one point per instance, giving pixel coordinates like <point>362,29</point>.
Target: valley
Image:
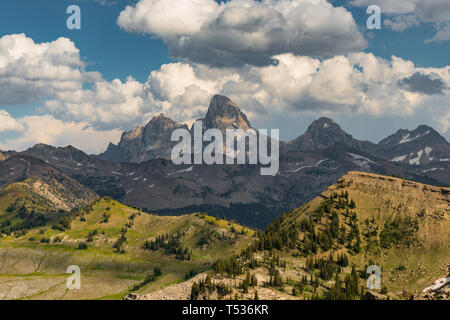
<point>320,250</point>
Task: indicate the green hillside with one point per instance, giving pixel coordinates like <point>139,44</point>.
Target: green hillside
<point>117,249</point>
<point>322,249</point>
<point>319,251</point>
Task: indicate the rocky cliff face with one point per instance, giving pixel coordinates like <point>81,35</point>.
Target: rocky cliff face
<point>419,147</point>
<point>224,114</point>
<point>153,140</point>
<point>145,143</point>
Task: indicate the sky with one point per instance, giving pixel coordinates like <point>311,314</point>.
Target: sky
<point>285,63</point>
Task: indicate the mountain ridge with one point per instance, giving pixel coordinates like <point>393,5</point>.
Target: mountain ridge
<point>306,169</point>
<point>145,142</point>
<point>322,249</point>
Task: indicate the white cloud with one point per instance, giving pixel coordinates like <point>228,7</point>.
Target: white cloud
<point>406,13</point>
<point>444,121</point>
<point>402,22</point>
<point>443,34</point>
<point>239,32</point>
<point>168,18</point>
<point>31,71</point>
<point>95,111</point>
<point>105,105</point>
<point>8,123</point>
<point>46,129</point>
<point>358,82</point>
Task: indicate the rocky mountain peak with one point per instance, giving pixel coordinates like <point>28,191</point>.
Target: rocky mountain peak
<point>324,125</point>
<point>161,123</point>
<point>423,147</point>
<point>144,143</point>
<point>224,114</point>
<point>133,134</point>
<point>321,134</point>
<point>422,134</point>
<point>41,146</point>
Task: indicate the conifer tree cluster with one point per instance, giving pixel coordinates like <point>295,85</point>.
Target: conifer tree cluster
<point>206,287</point>
<point>170,245</point>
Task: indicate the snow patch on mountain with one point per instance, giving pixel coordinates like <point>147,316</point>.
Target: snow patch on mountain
<point>360,160</point>
<point>399,158</point>
<point>407,138</point>
<point>181,171</point>
<point>416,161</point>
<point>305,167</point>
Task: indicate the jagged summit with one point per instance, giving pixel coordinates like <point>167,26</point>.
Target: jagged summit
<point>324,133</point>
<point>42,148</point>
<point>421,133</point>
<point>419,147</point>
<point>153,140</point>
<point>144,143</point>
<point>224,114</point>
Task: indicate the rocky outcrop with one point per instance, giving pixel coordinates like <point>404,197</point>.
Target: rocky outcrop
<point>224,114</point>
<point>144,143</point>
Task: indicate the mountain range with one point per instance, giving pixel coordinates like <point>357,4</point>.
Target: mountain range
<point>138,170</point>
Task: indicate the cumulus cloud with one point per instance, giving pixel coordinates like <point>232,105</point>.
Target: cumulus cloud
<point>105,105</point>
<point>30,71</point>
<point>407,13</point>
<point>95,111</point>
<point>46,129</point>
<point>8,123</point>
<point>358,82</point>
<point>427,84</point>
<point>355,83</point>
<point>402,22</point>
<point>239,32</point>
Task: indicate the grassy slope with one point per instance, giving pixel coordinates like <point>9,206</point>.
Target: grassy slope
<point>21,194</point>
<point>378,199</point>
<point>382,198</point>
<point>31,269</point>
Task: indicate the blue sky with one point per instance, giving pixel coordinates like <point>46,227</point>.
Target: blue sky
<point>136,48</point>
<point>100,40</point>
